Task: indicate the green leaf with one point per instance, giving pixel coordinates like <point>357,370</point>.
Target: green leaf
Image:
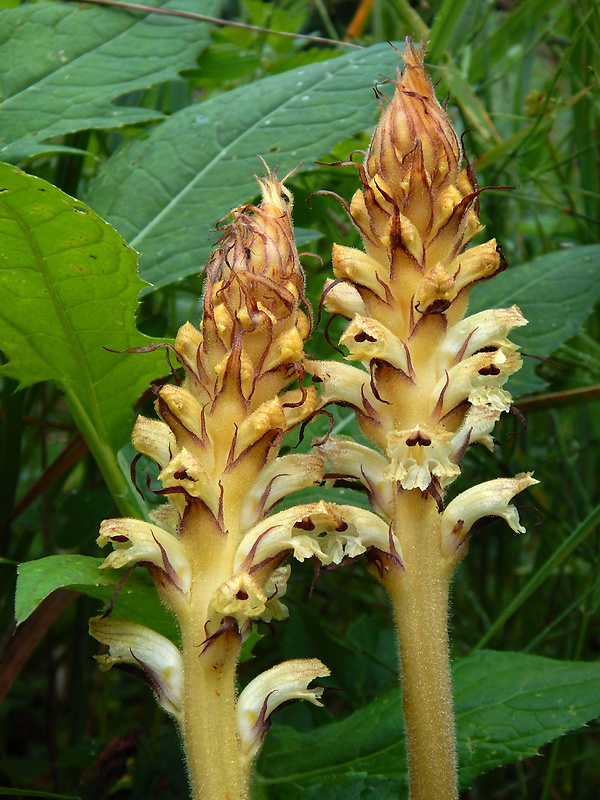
<point>510,704</point>
<point>61,66</point>
<point>507,706</point>
<point>166,191</point>
<point>225,61</point>
<point>249,644</point>
<point>368,744</point>
<point>446,20</point>
<point>137,600</point>
<point>351,786</point>
<point>37,579</point>
<point>523,16</point>
<point>69,287</point>
<point>555,292</point>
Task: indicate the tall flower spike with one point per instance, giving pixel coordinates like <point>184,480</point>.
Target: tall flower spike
<point>433,385</point>
<point>216,445</point>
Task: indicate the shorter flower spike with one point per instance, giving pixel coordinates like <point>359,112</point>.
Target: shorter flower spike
<point>280,684</point>
<point>131,644</point>
<point>214,554</point>
<point>489,499</point>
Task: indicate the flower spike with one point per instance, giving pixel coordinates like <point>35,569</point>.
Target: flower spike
<point>216,445</point>
<point>432,384</point>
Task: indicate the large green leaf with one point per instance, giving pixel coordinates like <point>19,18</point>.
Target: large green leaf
<point>166,191</point>
<point>507,706</point>
<point>137,600</point>
<point>510,704</point>
<point>555,292</point>
<point>62,65</point>
<point>69,290</point>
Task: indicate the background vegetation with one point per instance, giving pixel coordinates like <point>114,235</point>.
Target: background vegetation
<point>155,124</point>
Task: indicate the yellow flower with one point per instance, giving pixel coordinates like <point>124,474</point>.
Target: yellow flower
<point>489,499</point>
<point>280,684</point>
<point>155,655</point>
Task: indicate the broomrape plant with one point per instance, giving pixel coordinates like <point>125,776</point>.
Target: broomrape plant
<point>195,569</point>
<point>214,551</point>
<point>214,557</point>
<point>431,386</point>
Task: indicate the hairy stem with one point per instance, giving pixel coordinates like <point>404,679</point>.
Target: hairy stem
<point>420,599</point>
<point>216,768</point>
